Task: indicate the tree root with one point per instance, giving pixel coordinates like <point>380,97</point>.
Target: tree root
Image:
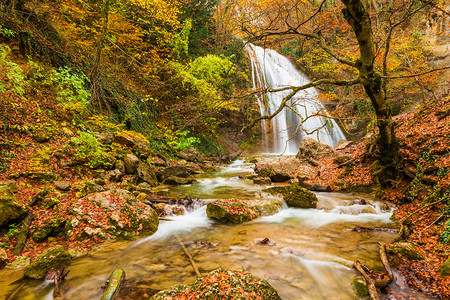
<point>402,230</point>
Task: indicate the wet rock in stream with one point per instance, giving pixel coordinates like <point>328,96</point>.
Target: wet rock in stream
<point>233,283</point>
<point>239,211</point>
<point>295,196</point>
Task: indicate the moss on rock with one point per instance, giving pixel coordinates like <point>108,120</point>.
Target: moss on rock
<point>231,210</point>
<point>50,258</point>
<point>235,284</point>
<point>444,269</point>
<point>408,250</point>
<point>295,196</point>
<point>360,286</point>
<point>10,208</point>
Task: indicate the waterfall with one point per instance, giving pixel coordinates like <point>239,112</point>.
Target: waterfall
<point>284,132</point>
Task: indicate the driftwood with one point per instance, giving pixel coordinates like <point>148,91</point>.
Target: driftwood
<point>378,229</point>
<point>23,234</point>
<point>188,254</point>
<point>114,284</point>
<point>370,282</point>
<point>58,276</point>
<point>373,284</point>
<point>386,264</point>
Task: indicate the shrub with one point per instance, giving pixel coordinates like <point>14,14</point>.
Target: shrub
<point>88,150</point>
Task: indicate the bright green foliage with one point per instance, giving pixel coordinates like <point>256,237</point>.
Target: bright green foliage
<point>181,40</point>
<point>178,140</point>
<point>12,231</point>
<point>213,69</point>
<point>87,150</point>
<point>445,235</point>
<point>16,78</point>
<point>6,32</point>
<point>70,86</point>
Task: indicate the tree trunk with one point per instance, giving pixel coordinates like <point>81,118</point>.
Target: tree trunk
<point>95,67</point>
<point>357,16</point>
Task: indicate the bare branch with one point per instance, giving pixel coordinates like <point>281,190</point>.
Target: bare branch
<point>417,74</point>
<point>294,91</point>
<point>333,54</point>
<point>434,5</point>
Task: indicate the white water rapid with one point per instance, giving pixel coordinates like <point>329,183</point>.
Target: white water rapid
<point>284,132</point>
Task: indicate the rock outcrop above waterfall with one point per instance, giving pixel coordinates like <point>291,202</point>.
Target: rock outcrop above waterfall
<point>295,196</point>
<point>282,169</point>
<point>310,148</point>
<point>239,211</point>
<point>233,283</point>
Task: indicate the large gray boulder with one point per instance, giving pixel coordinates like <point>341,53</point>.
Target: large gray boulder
<point>310,148</point>
<point>179,170</point>
<point>282,169</point>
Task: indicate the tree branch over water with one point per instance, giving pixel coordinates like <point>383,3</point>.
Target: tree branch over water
<point>294,90</point>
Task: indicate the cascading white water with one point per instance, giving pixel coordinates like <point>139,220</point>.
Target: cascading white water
<point>284,132</point>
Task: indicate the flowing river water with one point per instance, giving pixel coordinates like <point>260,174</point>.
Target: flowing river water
<point>311,256</point>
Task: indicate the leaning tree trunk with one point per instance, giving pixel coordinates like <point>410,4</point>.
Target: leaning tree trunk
<point>357,16</point>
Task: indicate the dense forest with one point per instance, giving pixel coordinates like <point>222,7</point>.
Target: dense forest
<point>110,108</point>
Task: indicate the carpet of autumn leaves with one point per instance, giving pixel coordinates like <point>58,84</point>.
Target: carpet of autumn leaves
<point>222,284</point>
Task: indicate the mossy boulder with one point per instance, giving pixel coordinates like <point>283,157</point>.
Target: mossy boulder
<point>408,250</point>
<point>444,269</point>
<point>131,163</point>
<point>230,211</point>
<point>147,173</point>
<point>51,228</point>
<point>173,180</point>
<point>10,208</point>
<point>360,286</point>
<point>39,167</point>
<point>19,263</point>
<point>264,208</point>
<point>238,211</point>
<point>43,134</point>
<point>233,283</point>
<point>50,258</point>
<point>295,196</point>
<point>3,258</point>
<point>262,180</point>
